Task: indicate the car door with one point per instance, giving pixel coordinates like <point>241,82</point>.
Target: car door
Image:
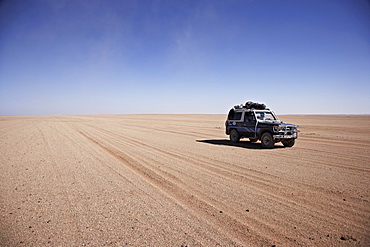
<point>248,125</point>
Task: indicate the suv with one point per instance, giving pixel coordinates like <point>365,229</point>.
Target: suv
<point>261,125</point>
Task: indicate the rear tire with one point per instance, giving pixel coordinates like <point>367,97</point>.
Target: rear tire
<point>267,140</point>
<point>234,136</point>
<point>288,143</point>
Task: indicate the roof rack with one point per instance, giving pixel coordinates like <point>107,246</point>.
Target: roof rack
<point>251,109</point>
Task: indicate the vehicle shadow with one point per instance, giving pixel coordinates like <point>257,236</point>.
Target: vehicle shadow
<point>240,144</point>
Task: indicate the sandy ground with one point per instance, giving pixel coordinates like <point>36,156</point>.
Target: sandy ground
<point>176,180</point>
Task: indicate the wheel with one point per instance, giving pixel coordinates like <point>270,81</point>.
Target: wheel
<point>288,142</point>
<point>267,140</point>
<point>253,139</point>
<point>234,136</point>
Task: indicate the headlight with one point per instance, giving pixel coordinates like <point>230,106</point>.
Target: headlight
<point>278,128</point>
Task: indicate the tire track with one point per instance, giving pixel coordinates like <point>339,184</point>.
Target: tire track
<point>178,191</point>
<point>65,200</point>
<point>264,188</point>
<point>309,195</point>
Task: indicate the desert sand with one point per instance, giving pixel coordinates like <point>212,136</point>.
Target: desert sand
<point>176,180</point>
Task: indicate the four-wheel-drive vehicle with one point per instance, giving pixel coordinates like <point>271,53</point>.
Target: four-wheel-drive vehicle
<point>261,124</point>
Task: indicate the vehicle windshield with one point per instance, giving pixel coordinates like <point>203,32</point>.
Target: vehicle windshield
<point>266,115</point>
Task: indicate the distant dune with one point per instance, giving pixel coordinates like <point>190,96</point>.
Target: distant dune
<point>176,180</point>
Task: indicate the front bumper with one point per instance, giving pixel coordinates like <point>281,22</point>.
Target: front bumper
<point>294,136</point>
<point>286,131</point>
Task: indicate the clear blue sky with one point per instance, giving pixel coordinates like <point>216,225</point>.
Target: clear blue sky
<point>116,57</point>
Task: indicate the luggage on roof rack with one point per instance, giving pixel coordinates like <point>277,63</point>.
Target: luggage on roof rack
<point>259,106</point>
<point>251,105</point>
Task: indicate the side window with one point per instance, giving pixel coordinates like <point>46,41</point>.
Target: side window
<point>237,116</point>
<point>234,115</point>
<point>249,117</point>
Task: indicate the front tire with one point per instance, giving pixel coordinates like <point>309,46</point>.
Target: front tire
<point>267,140</point>
<point>234,136</point>
<point>288,142</point>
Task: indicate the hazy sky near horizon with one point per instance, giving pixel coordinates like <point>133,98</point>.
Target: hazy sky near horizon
<point>118,57</point>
